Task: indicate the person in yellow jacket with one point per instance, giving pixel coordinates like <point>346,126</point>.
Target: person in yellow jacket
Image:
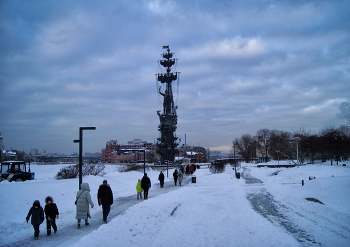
<point>139,189</point>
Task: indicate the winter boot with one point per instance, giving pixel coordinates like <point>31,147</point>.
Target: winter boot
<point>87,223</point>
<point>78,225</point>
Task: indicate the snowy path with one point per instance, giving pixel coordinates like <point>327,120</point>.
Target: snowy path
<point>291,220</point>
<point>69,234</point>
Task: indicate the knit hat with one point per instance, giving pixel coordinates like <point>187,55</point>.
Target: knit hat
<point>104,181</point>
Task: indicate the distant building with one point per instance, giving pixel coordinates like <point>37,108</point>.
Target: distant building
<point>125,153</point>
<point>92,155</point>
<point>33,152</point>
<point>195,157</point>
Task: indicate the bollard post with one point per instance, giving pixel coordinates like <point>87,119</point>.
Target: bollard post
<point>302,182</point>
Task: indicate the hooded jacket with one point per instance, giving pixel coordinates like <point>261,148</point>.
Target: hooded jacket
<point>138,187</point>
<point>36,213</point>
<point>83,200</point>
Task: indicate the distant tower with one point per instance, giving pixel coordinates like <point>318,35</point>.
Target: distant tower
<point>1,148</point>
<point>168,119</point>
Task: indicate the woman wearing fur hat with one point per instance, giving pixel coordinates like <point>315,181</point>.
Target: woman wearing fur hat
<point>51,212</point>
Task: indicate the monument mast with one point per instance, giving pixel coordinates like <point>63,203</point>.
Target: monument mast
<point>168,118</point>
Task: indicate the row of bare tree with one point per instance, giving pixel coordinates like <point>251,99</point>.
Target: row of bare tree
<point>330,143</point>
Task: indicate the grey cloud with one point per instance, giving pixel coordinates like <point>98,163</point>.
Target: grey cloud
<point>244,65</point>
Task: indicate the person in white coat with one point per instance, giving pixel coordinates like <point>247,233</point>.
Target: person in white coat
<point>83,200</point>
<point>180,176</point>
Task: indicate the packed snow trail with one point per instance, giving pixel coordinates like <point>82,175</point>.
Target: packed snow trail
<point>69,234</point>
<point>276,212</point>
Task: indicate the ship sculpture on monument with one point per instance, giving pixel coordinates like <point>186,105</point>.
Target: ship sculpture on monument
<point>168,118</point>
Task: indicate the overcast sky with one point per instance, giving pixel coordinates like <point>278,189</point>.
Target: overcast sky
<point>245,65</point>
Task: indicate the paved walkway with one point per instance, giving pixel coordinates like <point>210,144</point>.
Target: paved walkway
<point>305,227</point>
<point>68,234</point>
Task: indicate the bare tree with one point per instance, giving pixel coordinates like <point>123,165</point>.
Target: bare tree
<point>307,145</point>
<point>335,143</point>
<point>279,144</point>
<point>263,138</point>
<point>246,145</point>
<point>347,116</point>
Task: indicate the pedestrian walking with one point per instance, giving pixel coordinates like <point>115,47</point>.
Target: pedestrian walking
<point>161,179</point>
<point>180,176</point>
<point>182,170</point>
<point>105,198</point>
<point>146,185</point>
<point>83,200</point>
<point>187,169</point>
<point>191,169</point>
<point>139,189</point>
<point>175,176</point>
<point>37,214</point>
<point>51,213</point>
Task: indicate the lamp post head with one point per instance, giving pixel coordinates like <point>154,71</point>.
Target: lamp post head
<point>88,128</point>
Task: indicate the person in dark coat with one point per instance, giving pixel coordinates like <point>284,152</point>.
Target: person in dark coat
<point>105,198</point>
<point>51,213</point>
<point>161,179</point>
<point>175,176</point>
<point>37,214</point>
<point>146,185</point>
<point>187,169</point>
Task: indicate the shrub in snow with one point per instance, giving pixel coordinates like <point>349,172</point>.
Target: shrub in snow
<point>218,167</point>
<point>131,167</point>
<point>72,171</point>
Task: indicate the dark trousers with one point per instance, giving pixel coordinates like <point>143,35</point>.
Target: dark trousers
<point>161,184</point>
<point>145,194</point>
<point>175,180</point>
<point>50,223</point>
<point>36,230</point>
<point>105,210</point>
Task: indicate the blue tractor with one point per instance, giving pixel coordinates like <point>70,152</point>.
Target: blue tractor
<point>15,171</point>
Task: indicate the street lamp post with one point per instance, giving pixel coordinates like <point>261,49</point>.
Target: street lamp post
<point>144,158</point>
<point>234,156</point>
<point>266,150</point>
<point>80,141</point>
<point>278,156</point>
<point>297,139</point>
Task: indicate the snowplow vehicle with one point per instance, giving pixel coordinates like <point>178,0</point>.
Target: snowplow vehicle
<point>15,171</point>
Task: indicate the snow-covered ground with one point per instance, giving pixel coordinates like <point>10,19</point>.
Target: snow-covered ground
<point>217,210</point>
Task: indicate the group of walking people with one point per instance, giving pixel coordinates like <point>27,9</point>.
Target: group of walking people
<point>178,176</point>
<point>36,214</point>
<point>83,200</point>
<point>83,203</point>
<point>143,185</point>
